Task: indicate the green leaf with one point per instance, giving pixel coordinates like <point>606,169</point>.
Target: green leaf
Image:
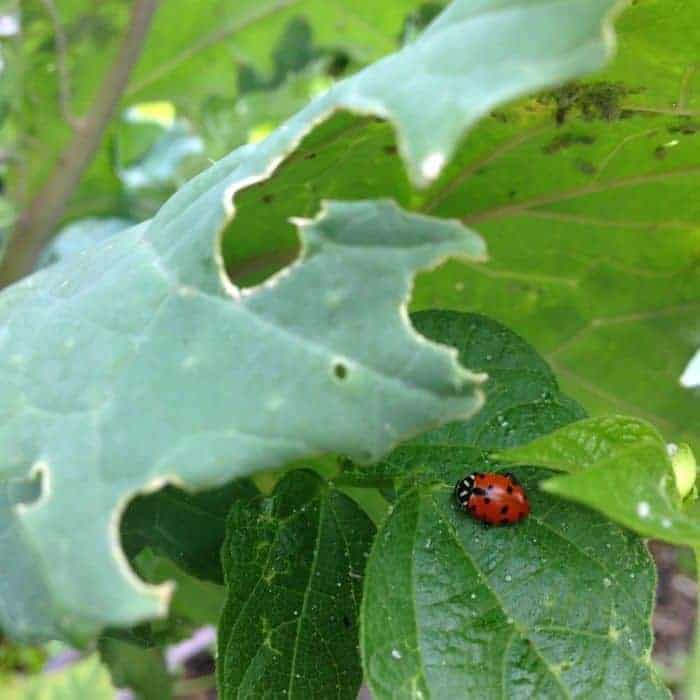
<point>293,565</point>
<point>592,224</point>
<point>619,466</point>
<point>190,425</point>
<point>188,528</point>
<point>194,603</point>
<point>143,376</point>
<point>556,607</point>
<point>141,670</point>
<point>522,401</point>
<point>86,678</point>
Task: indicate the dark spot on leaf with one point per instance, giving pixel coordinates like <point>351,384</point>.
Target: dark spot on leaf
<point>267,199</point>
<point>340,370</point>
<point>686,127</point>
<point>601,100</point>
<point>563,141</point>
<point>586,167</point>
<point>346,622</point>
<point>390,150</point>
<point>660,153</point>
<point>310,156</point>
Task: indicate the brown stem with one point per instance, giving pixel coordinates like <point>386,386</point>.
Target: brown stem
<point>37,222</point>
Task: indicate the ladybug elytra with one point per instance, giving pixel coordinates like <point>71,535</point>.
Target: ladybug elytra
<point>493,498</point>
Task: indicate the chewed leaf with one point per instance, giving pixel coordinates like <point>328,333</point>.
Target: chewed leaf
<point>619,466</point>
<point>139,363</point>
<point>473,57</point>
<point>141,379</point>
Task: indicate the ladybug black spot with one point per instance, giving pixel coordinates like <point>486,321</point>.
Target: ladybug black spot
<point>504,510</point>
<point>510,489</point>
<point>487,500</point>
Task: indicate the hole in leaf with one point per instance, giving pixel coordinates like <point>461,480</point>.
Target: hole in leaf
<point>26,491</point>
<point>340,370</point>
<point>344,157</point>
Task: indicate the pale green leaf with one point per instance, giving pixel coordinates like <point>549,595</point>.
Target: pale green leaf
<point>163,345</point>
<point>153,368</point>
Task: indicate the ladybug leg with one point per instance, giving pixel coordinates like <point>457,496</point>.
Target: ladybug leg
<point>513,478</point>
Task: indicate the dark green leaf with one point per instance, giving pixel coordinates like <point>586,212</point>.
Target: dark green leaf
<point>187,527</point>
<point>293,564</point>
<point>522,401</point>
<point>139,669</point>
<point>555,607</point>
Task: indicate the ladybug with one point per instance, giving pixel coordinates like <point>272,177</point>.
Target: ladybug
<point>494,498</point>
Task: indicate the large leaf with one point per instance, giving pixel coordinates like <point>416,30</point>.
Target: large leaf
<point>592,223</point>
<point>164,346</point>
<point>152,367</point>
<point>293,565</point>
<point>556,607</point>
<point>619,466</point>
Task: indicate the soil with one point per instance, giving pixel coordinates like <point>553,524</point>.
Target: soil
<point>674,617</point>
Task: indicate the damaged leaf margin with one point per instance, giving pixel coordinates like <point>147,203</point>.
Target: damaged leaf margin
<point>115,400</point>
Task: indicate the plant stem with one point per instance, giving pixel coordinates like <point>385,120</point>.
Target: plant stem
<point>37,222</point>
<point>692,691</point>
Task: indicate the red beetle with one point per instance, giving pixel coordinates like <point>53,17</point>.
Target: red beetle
<point>494,498</point>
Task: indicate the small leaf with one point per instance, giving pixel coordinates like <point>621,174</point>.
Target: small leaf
<point>619,466</point>
<point>293,564</point>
